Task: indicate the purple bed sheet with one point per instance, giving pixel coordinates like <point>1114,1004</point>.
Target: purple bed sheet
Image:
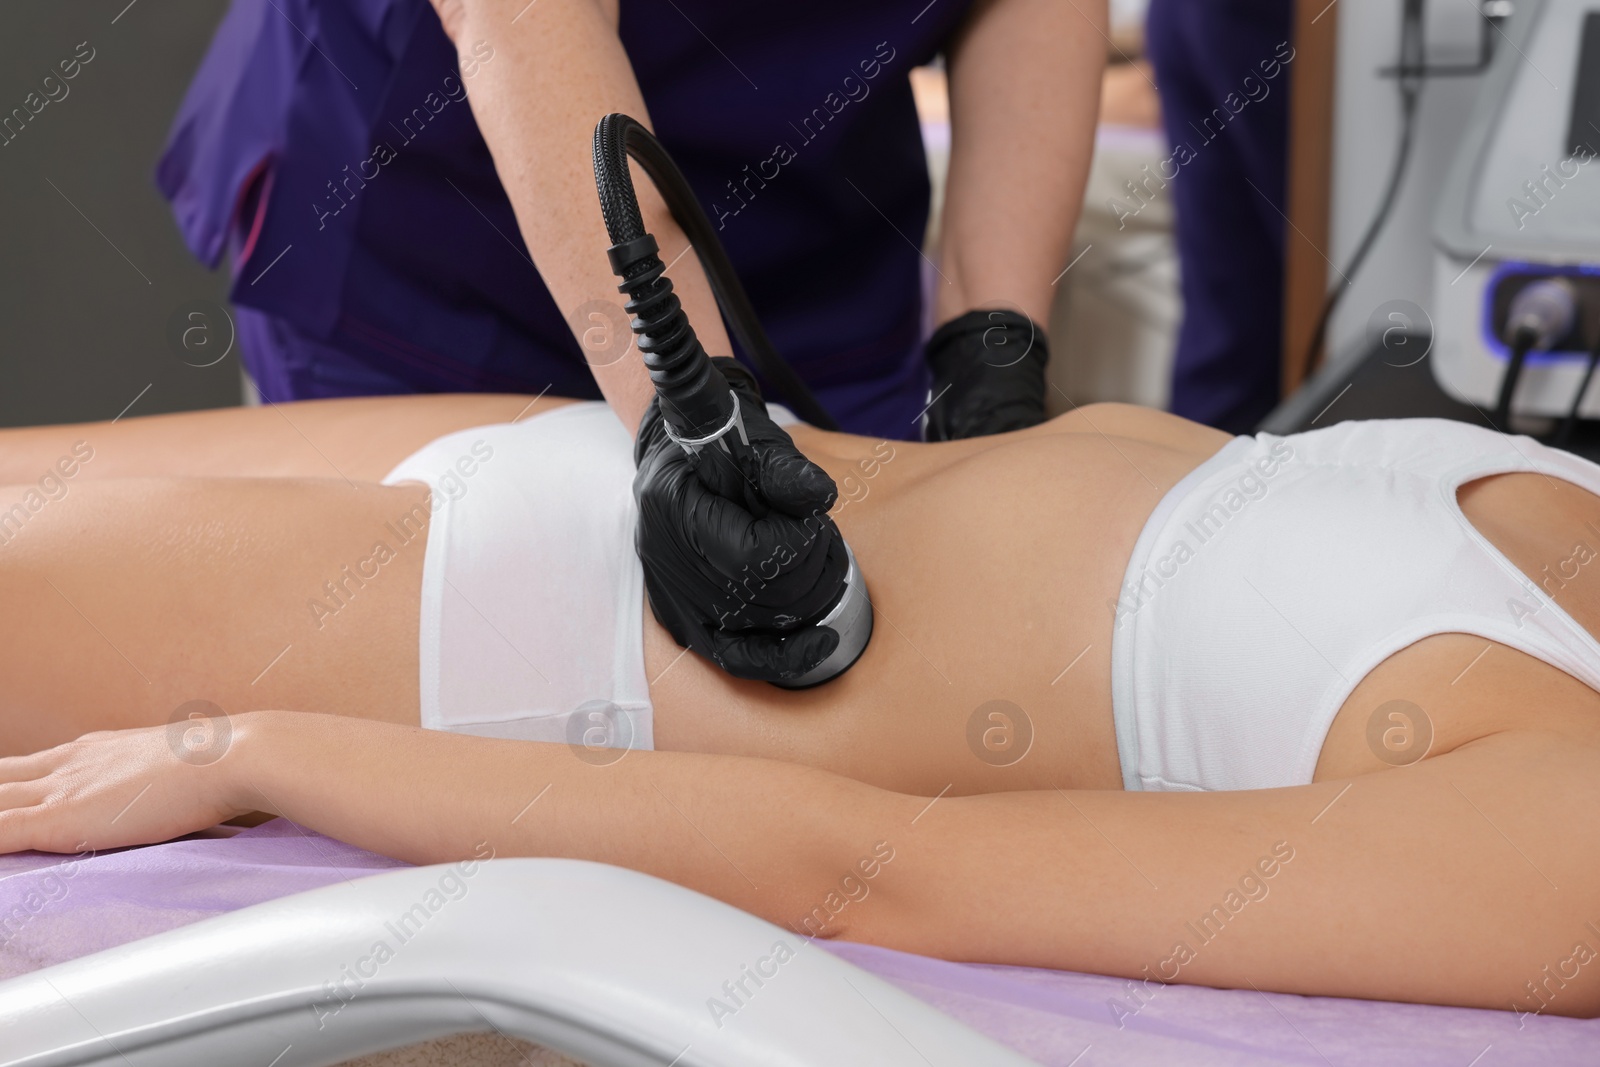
<point>55,908</point>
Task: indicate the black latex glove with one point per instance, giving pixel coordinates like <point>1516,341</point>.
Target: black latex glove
<point>733,586</point>
<point>988,375</point>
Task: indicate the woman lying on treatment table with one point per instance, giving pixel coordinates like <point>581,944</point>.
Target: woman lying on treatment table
<point>1143,699</point>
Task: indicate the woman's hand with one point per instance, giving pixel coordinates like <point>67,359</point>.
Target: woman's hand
<point>118,787</point>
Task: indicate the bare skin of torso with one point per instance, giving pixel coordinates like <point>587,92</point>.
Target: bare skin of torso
<point>992,567</point>
<point>991,564</point>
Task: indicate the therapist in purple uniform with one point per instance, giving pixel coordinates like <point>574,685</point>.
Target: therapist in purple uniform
<point>1227,369</point>
<point>405,191</point>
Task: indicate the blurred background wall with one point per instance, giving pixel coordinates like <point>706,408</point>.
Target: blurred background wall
<point>95,285</point>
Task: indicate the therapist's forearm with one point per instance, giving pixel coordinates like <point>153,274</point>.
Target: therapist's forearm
<point>558,67</point>
<point>1024,98</point>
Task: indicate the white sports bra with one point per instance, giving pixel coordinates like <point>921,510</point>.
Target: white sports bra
<point>1269,581</point>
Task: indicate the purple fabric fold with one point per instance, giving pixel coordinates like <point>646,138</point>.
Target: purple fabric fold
<point>56,908</point>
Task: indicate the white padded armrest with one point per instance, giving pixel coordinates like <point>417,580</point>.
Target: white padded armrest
<point>607,965</point>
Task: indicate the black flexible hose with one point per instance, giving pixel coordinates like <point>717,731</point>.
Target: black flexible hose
<point>678,365</point>
<point>1567,424</point>
<point>1521,344</point>
<point>1408,104</point>
<point>1411,76</point>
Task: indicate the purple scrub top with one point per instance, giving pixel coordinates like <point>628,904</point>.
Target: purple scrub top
<point>329,148</point>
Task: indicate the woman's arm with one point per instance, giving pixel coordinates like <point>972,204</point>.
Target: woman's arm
<point>1024,99</point>
<point>770,837</point>
<point>766,836</point>
<point>558,68</point>
<point>1469,878</point>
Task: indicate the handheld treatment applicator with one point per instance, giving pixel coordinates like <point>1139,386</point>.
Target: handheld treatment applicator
<point>699,409</point>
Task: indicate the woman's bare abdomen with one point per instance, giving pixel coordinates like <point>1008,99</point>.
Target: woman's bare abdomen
<point>993,567</point>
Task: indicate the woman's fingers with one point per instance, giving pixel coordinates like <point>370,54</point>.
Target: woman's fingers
<point>38,764</point>
<point>16,796</point>
<point>41,828</point>
<point>18,827</point>
<point>24,816</point>
<point>24,783</point>
<point>29,767</point>
<point>106,789</point>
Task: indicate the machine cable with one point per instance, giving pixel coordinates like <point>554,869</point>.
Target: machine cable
<point>676,374</point>
<point>1541,314</point>
<point>1571,420</point>
<point>1410,76</point>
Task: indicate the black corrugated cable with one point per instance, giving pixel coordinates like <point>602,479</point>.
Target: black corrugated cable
<point>1410,80</point>
<point>677,377</point>
<point>1567,424</point>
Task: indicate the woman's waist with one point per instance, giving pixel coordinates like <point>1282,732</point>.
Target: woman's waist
<point>909,717</point>
<point>994,571</point>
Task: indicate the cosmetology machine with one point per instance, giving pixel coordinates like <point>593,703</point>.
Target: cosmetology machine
<point>1517,225</point>
<point>1505,163</point>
